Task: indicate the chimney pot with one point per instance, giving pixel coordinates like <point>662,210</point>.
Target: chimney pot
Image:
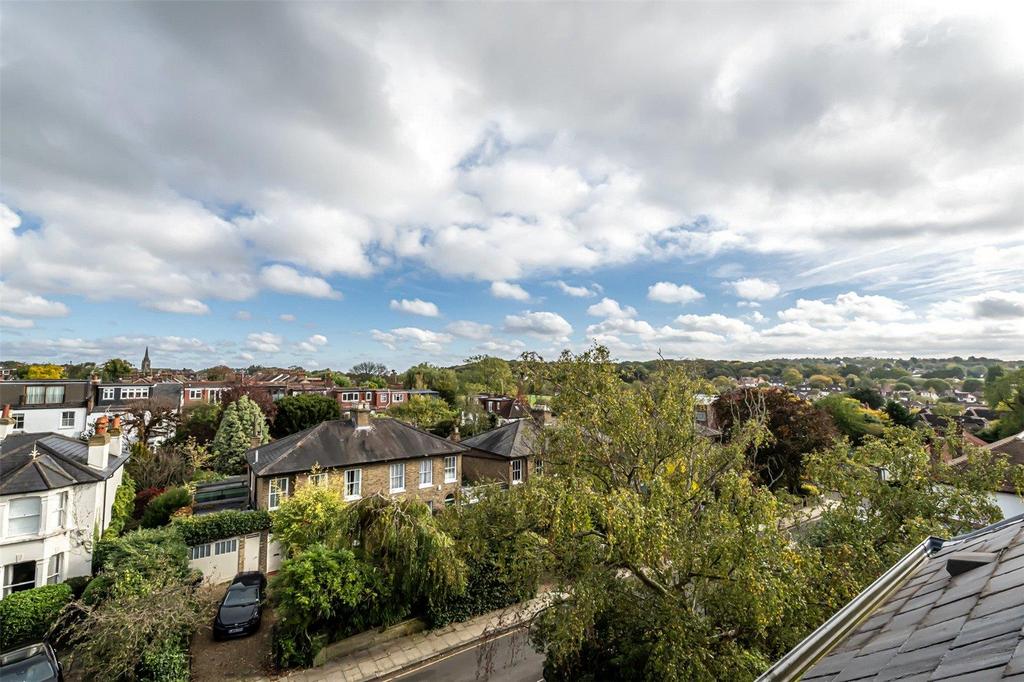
<point>101,426</point>
<point>7,412</point>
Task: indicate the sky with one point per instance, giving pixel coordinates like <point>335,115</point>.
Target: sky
<point>322,184</point>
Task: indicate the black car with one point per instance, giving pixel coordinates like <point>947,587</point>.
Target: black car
<point>32,663</point>
<point>241,610</point>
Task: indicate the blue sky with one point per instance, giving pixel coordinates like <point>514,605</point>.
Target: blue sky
<point>409,183</point>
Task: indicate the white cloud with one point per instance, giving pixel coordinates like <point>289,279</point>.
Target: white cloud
<point>16,322</point>
<point>420,339</point>
<point>845,307</point>
<point>714,323</point>
<point>243,315</point>
<point>318,340</point>
<point>264,342</point>
<point>286,317</point>
<point>505,348</point>
<point>574,291</point>
<point>541,324</point>
<point>184,306</point>
<point>667,292</point>
<point>467,329</point>
<point>288,280</point>
<point>610,308</point>
<point>415,307</point>
<point>20,302</point>
<point>509,290</point>
<point>756,289</point>
<point>989,305</point>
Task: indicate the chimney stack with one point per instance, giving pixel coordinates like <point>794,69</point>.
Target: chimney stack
<point>6,422</point>
<point>542,414</point>
<point>99,445</point>
<point>361,416</point>
<point>116,439</point>
<point>455,437</point>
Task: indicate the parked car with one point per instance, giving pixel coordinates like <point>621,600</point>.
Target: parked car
<point>241,611</point>
<point>32,663</point>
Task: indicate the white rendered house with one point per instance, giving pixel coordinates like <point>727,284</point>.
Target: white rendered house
<point>56,495</point>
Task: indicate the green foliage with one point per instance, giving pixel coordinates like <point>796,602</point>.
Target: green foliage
<point>792,376</point>
<point>852,419</point>
<point>313,515</point>
<point>899,415</point>
<point>820,381</point>
<point>135,558</point>
<point>972,385</point>
<point>200,421</point>
<point>951,372</point>
<point>868,396</point>
<point>28,615</point>
<point>298,412</point>
<point>242,427</point>
<point>937,385</point>
<point>78,584</point>
<point>44,372</point>
<point>430,414</point>
<point>123,507</point>
<point>158,511</point>
<point>168,664</point>
<point>198,530</point>
<point>1005,394</point>
<point>316,592</point>
<point>426,376</point>
<point>493,374</point>
<point>115,369</point>
<point>993,373</point>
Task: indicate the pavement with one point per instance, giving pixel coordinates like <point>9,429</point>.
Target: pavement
<point>460,651</point>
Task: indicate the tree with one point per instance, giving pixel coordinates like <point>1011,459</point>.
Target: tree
<point>312,516</point>
<point>44,372</point>
<point>218,373</point>
<point>367,370</point>
<point>150,420</point>
<point>199,422</point>
<point>868,396</point>
<point>937,385</point>
<point>430,414</point>
<point>993,373</point>
<point>426,376</point>
<point>820,380</point>
<point>795,427</point>
<point>169,464</point>
<point>852,419</point>
<point>242,427</point>
<point>792,376</point>
<point>298,412</point>
<point>257,394</point>
<point>899,415</point>
<point>494,374</point>
<point>115,369</point>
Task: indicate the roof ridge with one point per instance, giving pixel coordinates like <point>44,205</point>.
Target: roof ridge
<point>459,447</point>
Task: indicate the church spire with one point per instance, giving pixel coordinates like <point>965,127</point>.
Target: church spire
<point>145,362</point>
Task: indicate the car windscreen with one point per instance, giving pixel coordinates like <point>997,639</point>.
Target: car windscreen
<point>33,669</point>
<point>242,596</point>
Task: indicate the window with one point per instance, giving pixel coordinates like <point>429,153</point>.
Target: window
<point>353,483</point>
<point>426,473</point>
<point>35,395</point>
<point>59,513</point>
<point>107,394</point>
<point>319,479</point>
<point>67,419</point>
<point>350,397</point>
<point>701,415</point>
<point>53,571</point>
<point>225,546</point>
<point>278,491</point>
<point>517,471</point>
<point>54,395</point>
<point>398,397</point>
<point>195,394</point>
<point>398,477</point>
<point>450,469</point>
<point>19,577</point>
<point>198,552</point>
<point>449,500</point>
<point>23,516</point>
<point>19,420</point>
<point>215,395</point>
<point>134,392</point>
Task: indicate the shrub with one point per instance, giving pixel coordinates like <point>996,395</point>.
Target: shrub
<point>298,412</point>
<point>143,498</point>
<point>313,515</point>
<point>242,426</point>
<point>140,549</point>
<point>197,530</point>
<point>78,585</point>
<point>27,616</point>
<point>168,664</point>
<point>123,507</point>
<point>158,511</point>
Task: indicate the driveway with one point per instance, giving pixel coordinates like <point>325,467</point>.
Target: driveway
<point>248,657</point>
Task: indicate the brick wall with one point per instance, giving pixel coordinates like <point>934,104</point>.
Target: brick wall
<point>481,469</point>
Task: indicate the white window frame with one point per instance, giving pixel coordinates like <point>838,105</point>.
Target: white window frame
<point>38,516</point>
<point>517,471</point>
<point>319,479</point>
<point>195,394</point>
<point>59,513</point>
<point>368,395</point>
<point>214,394</point>
<point>54,568</point>
<point>426,473</point>
<point>107,394</point>
<point>350,397</point>
<point>276,492</point>
<point>64,419</point>
<point>385,397</point>
<point>451,469</point>
<point>199,552</point>
<point>353,484</point>
<point>19,420</point>
<point>398,397</point>
<point>8,576</point>
<point>397,470</point>
<point>134,392</point>
<point>225,546</point>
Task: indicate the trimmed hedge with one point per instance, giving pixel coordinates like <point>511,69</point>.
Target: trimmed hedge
<point>26,616</point>
<point>198,530</point>
<point>158,511</point>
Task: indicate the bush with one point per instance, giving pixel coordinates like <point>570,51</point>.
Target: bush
<point>197,530</point>
<point>78,585</point>
<point>123,508</point>
<point>168,664</point>
<point>298,412</point>
<point>141,548</point>
<point>158,511</point>
<point>27,616</point>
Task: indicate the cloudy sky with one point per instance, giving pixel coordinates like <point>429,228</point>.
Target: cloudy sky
<point>323,184</point>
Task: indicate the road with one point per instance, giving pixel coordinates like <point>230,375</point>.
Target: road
<point>507,658</point>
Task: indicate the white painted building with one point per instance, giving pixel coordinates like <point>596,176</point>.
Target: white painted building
<point>48,406</point>
<point>54,491</point>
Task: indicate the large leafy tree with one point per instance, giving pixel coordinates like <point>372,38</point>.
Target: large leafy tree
<point>851,418</point>
<point>1006,395</point>
<point>44,372</point>
<point>298,412</point>
<point>242,427</point>
<point>257,394</point>
<point>868,396</point>
<point>795,427</point>
<point>364,371</point>
<point>115,369</point>
<point>199,422</point>
<point>493,374</point>
<point>426,376</point>
<point>431,414</point>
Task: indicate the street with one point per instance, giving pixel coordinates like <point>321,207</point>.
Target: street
<point>507,658</point>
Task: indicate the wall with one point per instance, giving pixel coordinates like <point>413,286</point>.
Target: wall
<point>1010,504</point>
<point>47,420</point>
<point>256,552</point>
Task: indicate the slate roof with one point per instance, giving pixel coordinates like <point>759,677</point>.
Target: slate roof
<point>515,439</point>
<point>58,462</point>
<point>339,443</point>
<point>933,625</point>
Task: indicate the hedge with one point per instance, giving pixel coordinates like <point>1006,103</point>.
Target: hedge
<point>26,616</point>
<point>158,511</point>
<point>169,664</point>
<point>198,530</point>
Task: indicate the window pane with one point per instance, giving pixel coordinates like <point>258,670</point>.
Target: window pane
<point>23,517</point>
<point>426,472</point>
<point>35,395</point>
<point>54,394</point>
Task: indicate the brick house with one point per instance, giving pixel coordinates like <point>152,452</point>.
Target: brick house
<point>359,457</point>
<point>509,454</point>
<point>378,399</point>
<point>195,392</point>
